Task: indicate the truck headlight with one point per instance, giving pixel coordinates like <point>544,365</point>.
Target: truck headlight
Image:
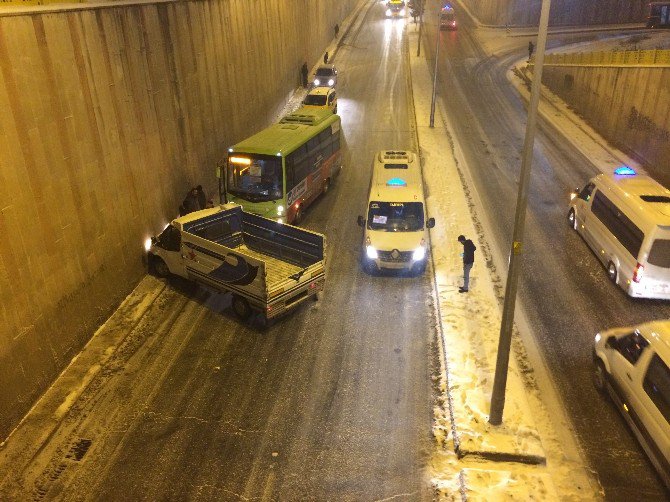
<point>371,252</point>
<point>317,82</point>
<point>419,253</point>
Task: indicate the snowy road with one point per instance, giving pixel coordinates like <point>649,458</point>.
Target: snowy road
<point>333,402</point>
<point>564,290</point>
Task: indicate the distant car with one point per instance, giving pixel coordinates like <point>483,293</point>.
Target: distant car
<point>325,76</point>
<point>321,97</point>
<point>631,365</point>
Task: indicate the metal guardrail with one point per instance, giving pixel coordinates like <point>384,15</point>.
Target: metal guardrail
<point>654,57</point>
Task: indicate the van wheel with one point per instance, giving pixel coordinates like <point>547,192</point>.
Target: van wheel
<point>611,272</point>
<point>241,307</point>
<point>161,268</point>
<point>599,376</point>
<point>572,219</point>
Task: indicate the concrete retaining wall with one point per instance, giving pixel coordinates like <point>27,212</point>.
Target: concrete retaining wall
<point>627,105</point>
<point>563,12</point>
<point>107,116</point>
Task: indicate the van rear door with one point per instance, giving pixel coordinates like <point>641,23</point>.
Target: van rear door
<point>656,275</point>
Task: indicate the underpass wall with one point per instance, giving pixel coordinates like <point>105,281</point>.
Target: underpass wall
<point>108,116</point>
<point>627,105</point>
<point>562,12</point>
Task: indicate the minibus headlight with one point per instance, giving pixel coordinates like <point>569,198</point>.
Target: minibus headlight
<point>388,12</point>
<point>402,12</point>
<point>419,253</point>
<point>317,82</point>
<point>371,252</point>
<point>331,82</point>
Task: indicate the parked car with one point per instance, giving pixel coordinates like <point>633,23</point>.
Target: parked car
<point>325,75</point>
<point>321,97</point>
<point>631,365</point>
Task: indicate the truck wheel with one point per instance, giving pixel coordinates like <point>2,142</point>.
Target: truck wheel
<point>241,307</point>
<point>572,219</point>
<point>161,268</point>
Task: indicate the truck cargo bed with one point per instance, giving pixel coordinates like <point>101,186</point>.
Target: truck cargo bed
<point>276,270</point>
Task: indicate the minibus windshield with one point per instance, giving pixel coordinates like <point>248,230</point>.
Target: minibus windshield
<point>395,216</point>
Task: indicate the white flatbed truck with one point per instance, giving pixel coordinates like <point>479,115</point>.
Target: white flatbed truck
<point>269,267</point>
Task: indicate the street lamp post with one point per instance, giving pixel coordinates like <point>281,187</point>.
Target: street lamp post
<point>516,253</point>
<point>437,56</point>
<point>420,3</point>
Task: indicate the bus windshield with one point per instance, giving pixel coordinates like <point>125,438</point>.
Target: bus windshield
<point>395,216</point>
<point>256,178</point>
<point>315,99</point>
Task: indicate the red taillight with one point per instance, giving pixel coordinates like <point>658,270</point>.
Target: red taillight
<point>637,273</point>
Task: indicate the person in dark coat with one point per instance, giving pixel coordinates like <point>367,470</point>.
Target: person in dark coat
<point>325,58</point>
<point>468,261</point>
<point>304,71</point>
<point>191,201</point>
<point>202,198</point>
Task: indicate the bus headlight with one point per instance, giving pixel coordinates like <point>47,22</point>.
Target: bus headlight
<point>280,210</point>
<point>371,252</point>
<point>419,253</point>
<point>317,82</point>
<point>331,82</point>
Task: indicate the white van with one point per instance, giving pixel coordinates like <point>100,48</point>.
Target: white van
<point>625,219</point>
<point>396,227</point>
<point>631,365</point>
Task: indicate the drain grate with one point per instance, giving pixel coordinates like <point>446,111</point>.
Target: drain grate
<point>79,449</point>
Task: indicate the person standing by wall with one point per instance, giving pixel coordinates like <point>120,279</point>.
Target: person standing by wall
<point>530,49</point>
<point>325,58</point>
<point>304,71</point>
<point>202,198</point>
<point>468,261</point>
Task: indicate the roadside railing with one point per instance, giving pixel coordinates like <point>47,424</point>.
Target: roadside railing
<point>653,57</point>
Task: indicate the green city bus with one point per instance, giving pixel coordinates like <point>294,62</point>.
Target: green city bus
<point>278,172</point>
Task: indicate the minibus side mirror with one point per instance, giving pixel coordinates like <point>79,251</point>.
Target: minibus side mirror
<point>612,343</point>
<point>361,221</point>
<point>430,223</point>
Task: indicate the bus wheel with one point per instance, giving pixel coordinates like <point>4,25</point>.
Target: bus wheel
<point>161,268</point>
<point>326,185</point>
<point>241,307</point>
<point>611,272</point>
<point>572,219</point>
<point>298,216</point>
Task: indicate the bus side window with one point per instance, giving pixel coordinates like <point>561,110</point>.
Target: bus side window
<point>290,167</point>
<point>586,192</point>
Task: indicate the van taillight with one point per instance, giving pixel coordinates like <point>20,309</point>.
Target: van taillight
<point>637,273</point>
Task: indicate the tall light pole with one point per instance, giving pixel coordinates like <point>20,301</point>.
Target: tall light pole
<point>437,57</point>
<point>516,253</point>
<point>420,3</point>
